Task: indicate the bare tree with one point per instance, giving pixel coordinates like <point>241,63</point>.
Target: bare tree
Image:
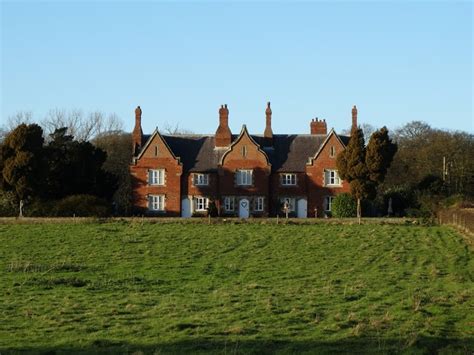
<point>367,130</point>
<point>175,130</point>
<point>82,127</point>
<point>19,118</point>
<point>413,130</point>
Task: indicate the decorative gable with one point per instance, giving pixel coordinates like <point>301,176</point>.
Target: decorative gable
<point>246,152</point>
<point>331,146</point>
<point>156,147</point>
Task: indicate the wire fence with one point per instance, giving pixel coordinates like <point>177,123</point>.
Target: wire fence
<point>462,218</point>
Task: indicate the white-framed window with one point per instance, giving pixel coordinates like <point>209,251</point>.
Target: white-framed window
<point>288,179</point>
<point>331,178</point>
<point>289,202</point>
<point>156,177</point>
<point>328,200</point>
<point>201,204</point>
<point>229,203</point>
<point>259,203</point>
<point>156,202</point>
<point>201,179</point>
<point>332,151</point>
<point>244,177</point>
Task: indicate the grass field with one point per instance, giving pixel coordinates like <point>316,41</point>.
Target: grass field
<point>135,287</point>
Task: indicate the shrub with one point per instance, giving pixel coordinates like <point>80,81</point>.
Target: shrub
<point>212,209</point>
<point>39,208</point>
<point>82,206</point>
<point>8,206</point>
<point>344,205</point>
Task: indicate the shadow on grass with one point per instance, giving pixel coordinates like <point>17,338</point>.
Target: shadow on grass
<point>419,345</point>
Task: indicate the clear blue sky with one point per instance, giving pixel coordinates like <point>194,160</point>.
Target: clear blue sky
<point>397,61</point>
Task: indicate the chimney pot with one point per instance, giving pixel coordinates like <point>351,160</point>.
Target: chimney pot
<point>137,134</point>
<point>268,133</point>
<point>354,118</point>
<point>318,126</point>
<point>223,134</point>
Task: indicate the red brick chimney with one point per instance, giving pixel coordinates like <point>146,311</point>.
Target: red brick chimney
<point>354,118</point>
<point>137,134</point>
<point>318,126</point>
<point>223,133</point>
<point>268,133</point>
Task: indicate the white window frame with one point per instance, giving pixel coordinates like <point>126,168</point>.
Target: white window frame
<point>156,203</point>
<point>244,177</point>
<point>200,179</point>
<point>291,203</point>
<point>328,201</point>
<point>229,203</point>
<point>156,177</point>
<point>331,178</point>
<point>202,203</point>
<point>259,204</point>
<point>288,179</point>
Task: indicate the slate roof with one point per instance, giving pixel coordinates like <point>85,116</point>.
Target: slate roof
<point>290,152</point>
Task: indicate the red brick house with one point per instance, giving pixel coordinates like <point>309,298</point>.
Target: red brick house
<point>243,175</point>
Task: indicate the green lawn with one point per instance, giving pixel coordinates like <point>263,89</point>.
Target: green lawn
<point>247,288</point>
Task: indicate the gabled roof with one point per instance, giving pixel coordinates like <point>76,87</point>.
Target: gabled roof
<point>150,139</point>
<point>290,152</point>
<point>331,133</point>
<point>243,133</point>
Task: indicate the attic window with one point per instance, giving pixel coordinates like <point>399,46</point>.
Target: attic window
<point>332,152</point>
<point>244,151</point>
<point>156,150</point>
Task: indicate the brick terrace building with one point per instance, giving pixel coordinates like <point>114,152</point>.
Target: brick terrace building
<point>243,175</point>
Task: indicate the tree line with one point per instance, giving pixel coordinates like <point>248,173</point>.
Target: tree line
<point>77,163</point>
<point>431,169</point>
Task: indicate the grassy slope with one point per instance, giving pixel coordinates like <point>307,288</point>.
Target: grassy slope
<point>234,288</point>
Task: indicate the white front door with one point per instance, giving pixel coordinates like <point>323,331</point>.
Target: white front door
<point>244,206</point>
<point>186,208</point>
<point>302,208</point>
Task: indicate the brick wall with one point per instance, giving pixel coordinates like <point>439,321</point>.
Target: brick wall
<point>157,156</point>
<point>315,180</point>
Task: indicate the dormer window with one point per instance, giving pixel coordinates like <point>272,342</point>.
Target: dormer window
<point>244,177</point>
<point>201,179</point>
<point>288,179</point>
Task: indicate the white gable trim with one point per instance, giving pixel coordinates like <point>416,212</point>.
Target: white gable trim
<point>242,133</point>
<point>145,147</point>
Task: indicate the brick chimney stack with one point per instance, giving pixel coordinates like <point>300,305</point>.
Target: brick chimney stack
<point>318,126</point>
<point>268,133</point>
<point>223,133</point>
<point>354,118</point>
<point>137,134</point>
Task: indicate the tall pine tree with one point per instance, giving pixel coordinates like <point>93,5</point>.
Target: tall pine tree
<point>352,168</point>
<point>365,168</point>
<point>379,156</point>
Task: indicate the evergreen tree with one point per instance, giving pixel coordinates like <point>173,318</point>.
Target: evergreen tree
<point>365,168</point>
<point>21,162</point>
<point>379,155</point>
<point>76,168</point>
